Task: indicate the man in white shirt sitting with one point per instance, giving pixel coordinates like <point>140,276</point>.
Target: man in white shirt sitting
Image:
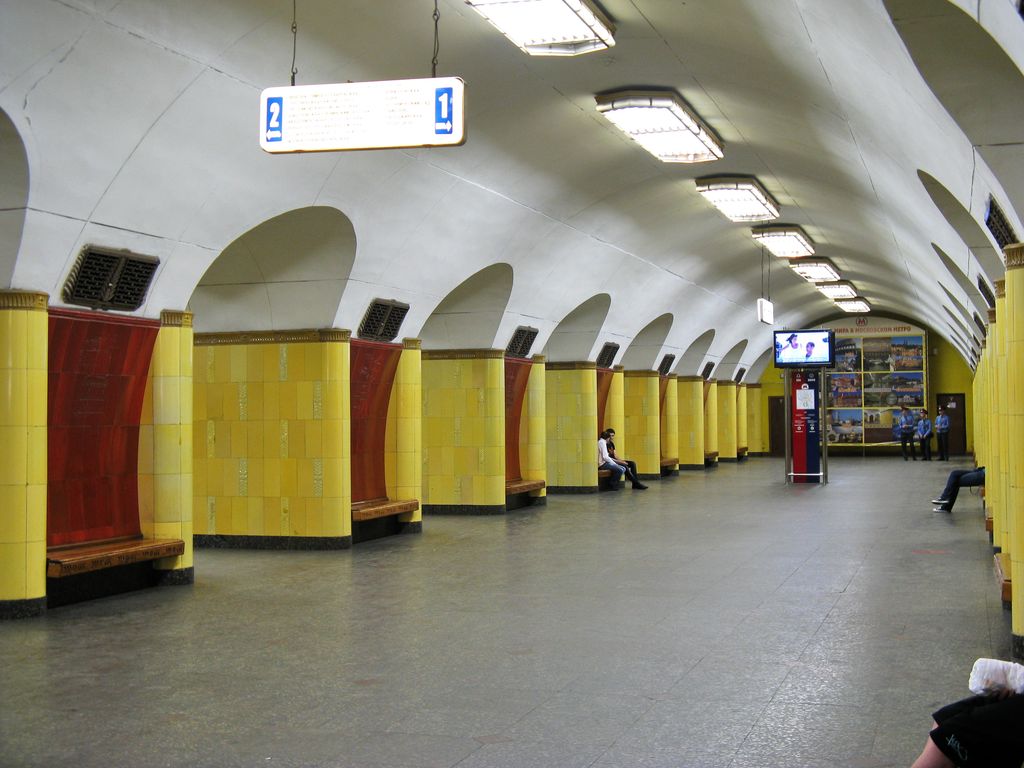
<point>606,459</point>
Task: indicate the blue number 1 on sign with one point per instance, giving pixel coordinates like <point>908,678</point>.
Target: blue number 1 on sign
<point>443,98</point>
<point>275,118</point>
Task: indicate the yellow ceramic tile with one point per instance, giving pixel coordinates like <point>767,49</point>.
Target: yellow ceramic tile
<point>337,518</point>
<point>254,521</point>
<point>314,439</point>
<point>167,400</point>
<point>167,498</point>
<point>167,447</point>
<point>13,343</point>
<point>333,474</point>
<point>314,517</point>
<point>35,455</point>
<point>13,397</point>
<point>290,477</point>
<point>305,477</point>
<point>288,400</point>
<point>13,454</point>
<point>35,512</point>
<point>312,363</point>
<point>304,400</point>
<point>239,516</point>
<point>296,439</point>
<point>35,569</point>
<point>271,362</point>
<point>257,477</point>
<point>13,584</point>
<point>13,514</point>
<point>36,334</point>
<point>35,398</point>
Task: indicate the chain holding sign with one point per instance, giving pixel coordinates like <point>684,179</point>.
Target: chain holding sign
<point>386,114</point>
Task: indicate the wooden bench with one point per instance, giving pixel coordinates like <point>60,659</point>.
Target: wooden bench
<point>371,509</point>
<point>522,486</point>
<point>604,480</point>
<point>1002,569</point>
<point>74,559</point>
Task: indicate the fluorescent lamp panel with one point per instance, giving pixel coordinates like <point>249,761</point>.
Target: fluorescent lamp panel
<point>784,242</point>
<point>662,124</point>
<point>740,199</point>
<point>840,289</point>
<point>854,305</point>
<point>549,27</point>
<point>815,270</point>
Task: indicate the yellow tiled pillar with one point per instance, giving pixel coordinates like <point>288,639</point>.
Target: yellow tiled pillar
<point>1002,415</point>
<point>533,457</point>
<point>642,425</point>
<point>710,422</point>
<point>24,335</point>
<point>464,431</point>
<point>571,415</point>
<point>691,422</point>
<point>615,412</point>
<point>993,471</point>
<point>980,415</point>
<point>332,407</point>
<point>408,392</point>
<point>172,444</point>
<point>670,426</point>
<point>1013,329</point>
<point>755,422</point>
<point>742,437</point>
<point>727,423</point>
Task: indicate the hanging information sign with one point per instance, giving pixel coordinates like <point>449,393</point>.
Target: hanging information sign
<point>387,114</point>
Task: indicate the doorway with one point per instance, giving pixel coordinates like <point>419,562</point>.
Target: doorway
<point>956,408</point>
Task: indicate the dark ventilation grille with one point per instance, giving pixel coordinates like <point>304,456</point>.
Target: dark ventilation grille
<point>383,320</point>
<point>998,225</point>
<point>522,341</point>
<point>739,375</point>
<point>706,373</point>
<point>990,297</point>
<point>109,280</point>
<point>666,365</point>
<point>981,325</point>
<point>607,356</point>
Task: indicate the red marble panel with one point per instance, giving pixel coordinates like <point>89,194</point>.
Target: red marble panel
<point>604,385</point>
<point>98,366</point>
<point>372,375</point>
<point>517,375</point>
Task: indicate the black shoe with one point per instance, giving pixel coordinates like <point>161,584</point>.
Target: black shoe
<point>941,509</point>
<point>639,487</point>
<point>940,501</point>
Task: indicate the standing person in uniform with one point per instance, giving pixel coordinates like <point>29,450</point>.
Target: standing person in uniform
<point>907,424</point>
<point>627,464</point>
<point>924,435</point>
<point>942,434</point>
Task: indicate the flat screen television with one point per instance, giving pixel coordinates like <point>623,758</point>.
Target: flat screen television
<point>805,349</point>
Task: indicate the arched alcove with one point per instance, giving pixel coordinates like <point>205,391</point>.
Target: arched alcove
<point>642,353</point>
<point>979,244</point>
<point>575,336</point>
<point>288,272</point>
<point>727,368</point>
<point>690,362</point>
<point>13,196</point>
<point>970,288</point>
<point>954,54</point>
<point>758,367</point>
<point>469,316</point>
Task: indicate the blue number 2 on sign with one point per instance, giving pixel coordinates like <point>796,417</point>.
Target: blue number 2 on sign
<point>275,118</point>
<point>443,110</point>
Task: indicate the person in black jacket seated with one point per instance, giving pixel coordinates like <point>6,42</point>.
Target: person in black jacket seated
<point>627,464</point>
<point>958,478</point>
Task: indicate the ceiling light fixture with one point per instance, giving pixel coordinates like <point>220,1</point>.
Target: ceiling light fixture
<point>663,124</point>
<point>815,270</point>
<point>549,27</point>
<point>786,241</point>
<point>854,305</point>
<point>841,289</point>
<point>740,198</point>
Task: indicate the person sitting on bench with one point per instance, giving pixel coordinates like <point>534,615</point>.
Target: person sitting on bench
<point>958,478</point>
<point>627,466</point>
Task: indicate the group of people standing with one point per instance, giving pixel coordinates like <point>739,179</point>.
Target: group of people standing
<point>918,429</point>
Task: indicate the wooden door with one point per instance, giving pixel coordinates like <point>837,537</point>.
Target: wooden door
<point>956,408</point>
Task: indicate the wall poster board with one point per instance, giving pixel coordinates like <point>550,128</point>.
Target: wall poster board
<point>881,364</point>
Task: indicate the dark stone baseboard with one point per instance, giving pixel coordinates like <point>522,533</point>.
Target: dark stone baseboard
<point>22,609</point>
<point>1018,648</point>
<point>217,541</point>
<point>571,489</point>
<point>691,467</point>
<point>649,476</point>
<point>416,527</point>
<point>523,500</point>
<point>179,577</point>
<point>728,459</point>
<point>464,509</point>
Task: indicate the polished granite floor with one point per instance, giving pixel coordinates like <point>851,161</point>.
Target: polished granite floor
<point>717,619</point>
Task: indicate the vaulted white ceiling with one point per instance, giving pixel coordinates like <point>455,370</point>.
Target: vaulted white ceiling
<point>874,124</point>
